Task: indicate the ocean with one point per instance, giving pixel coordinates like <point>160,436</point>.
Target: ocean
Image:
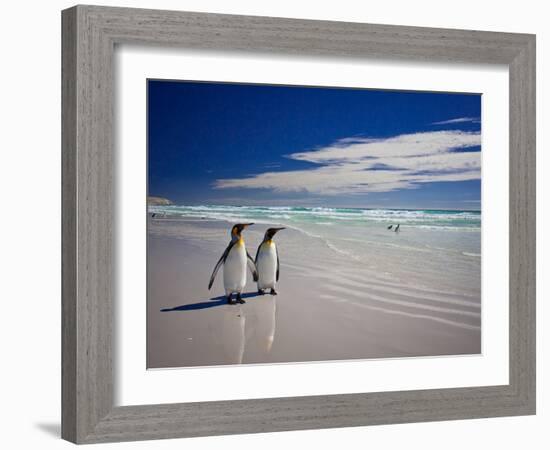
<point>451,220</point>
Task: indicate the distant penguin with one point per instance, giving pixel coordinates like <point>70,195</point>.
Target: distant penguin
<point>390,227</point>
<point>235,260</point>
<point>397,228</point>
<point>267,262</point>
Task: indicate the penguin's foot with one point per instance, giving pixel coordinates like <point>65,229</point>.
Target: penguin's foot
<point>240,299</point>
<point>273,292</point>
<point>230,301</point>
<point>261,292</point>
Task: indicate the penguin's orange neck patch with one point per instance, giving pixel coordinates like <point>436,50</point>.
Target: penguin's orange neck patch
<point>235,234</point>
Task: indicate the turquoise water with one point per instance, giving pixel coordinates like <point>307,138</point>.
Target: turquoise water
<point>449,220</point>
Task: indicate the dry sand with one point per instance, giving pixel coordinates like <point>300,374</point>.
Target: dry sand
<point>329,307</point>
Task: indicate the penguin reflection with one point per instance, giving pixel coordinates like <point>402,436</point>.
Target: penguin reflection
<point>260,328</point>
<point>248,331</point>
<point>232,335</point>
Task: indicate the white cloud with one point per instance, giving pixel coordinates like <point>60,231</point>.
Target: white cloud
<point>458,120</point>
<point>361,165</point>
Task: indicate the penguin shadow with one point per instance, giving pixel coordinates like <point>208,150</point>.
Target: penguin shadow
<point>212,303</point>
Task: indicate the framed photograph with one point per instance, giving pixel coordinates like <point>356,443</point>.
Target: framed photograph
<point>277,224</point>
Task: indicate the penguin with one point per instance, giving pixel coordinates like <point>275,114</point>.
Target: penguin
<point>267,262</point>
<point>235,260</point>
<point>397,228</point>
<point>390,227</point>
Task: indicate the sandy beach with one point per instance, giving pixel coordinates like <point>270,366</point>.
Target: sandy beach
<point>352,293</point>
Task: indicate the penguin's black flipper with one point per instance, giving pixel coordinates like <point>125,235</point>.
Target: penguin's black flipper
<point>277,275</point>
<point>219,263</point>
<point>252,266</point>
<point>258,252</point>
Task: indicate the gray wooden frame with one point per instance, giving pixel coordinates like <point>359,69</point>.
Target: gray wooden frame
<point>89,36</point>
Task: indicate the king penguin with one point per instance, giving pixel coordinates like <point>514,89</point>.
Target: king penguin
<point>235,260</point>
<point>267,262</point>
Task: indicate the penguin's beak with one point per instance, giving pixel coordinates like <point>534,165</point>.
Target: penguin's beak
<point>247,224</point>
<point>273,231</point>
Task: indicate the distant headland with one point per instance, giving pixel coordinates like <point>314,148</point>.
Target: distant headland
<point>158,201</point>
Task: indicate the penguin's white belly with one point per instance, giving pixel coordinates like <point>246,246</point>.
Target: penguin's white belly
<point>234,269</point>
<point>267,266</point>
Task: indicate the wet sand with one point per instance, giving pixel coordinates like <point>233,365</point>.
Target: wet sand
<point>330,306</point>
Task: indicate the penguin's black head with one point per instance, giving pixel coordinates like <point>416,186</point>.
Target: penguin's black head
<point>238,228</point>
<point>270,232</point>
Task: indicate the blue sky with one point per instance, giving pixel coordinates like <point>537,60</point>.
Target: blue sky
<point>243,144</point>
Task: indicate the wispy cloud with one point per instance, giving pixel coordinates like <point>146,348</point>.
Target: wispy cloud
<point>363,165</point>
<point>458,120</point>
<point>272,165</point>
